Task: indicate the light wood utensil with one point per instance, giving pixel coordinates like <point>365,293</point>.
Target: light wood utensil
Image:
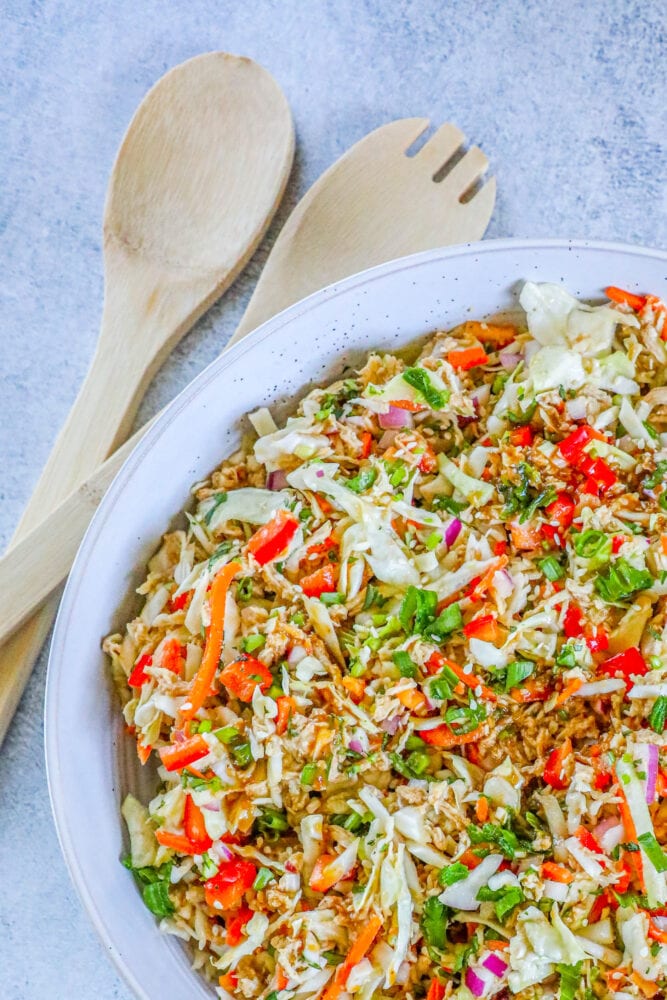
<point>373,204</point>
<point>198,178</point>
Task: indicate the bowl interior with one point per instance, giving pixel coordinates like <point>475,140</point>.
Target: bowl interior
<point>91,763</point>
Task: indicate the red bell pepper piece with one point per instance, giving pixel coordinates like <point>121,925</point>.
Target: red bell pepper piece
<point>225,891</point>
<point>617,543</point>
<point>572,447</point>
<point>521,437</point>
<point>273,537</point>
<point>179,755</point>
<point>245,674</point>
<point>436,990</point>
<point>428,462</point>
<point>178,603</point>
<point>139,675</point>
<point>573,625</point>
<point>194,826</point>
<point>444,737</point>
<point>469,357</point>
<point>555,767</point>
<point>561,510</point>
<point>597,640</point>
<point>587,840</point>
<point>624,664</point>
<point>483,627</point>
<point>286,706</point>
<point>173,656</point>
<point>235,925</point>
<point>366,444</point>
<point>322,581</point>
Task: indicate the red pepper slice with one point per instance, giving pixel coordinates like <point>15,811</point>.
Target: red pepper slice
<point>469,357</point>
<point>428,463</point>
<point>195,827</point>
<point>178,603</point>
<point>573,624</point>
<point>273,537</point>
<point>226,889</point>
<point>561,510</point>
<point>179,755</point>
<point>243,675</point>
<point>587,840</point>
<point>366,444</point>
<point>554,769</point>
<point>572,447</point>
<point>630,661</point>
<point>235,925</point>
<point>521,437</point>
<point>598,640</point>
<point>139,675</point>
<point>322,581</point>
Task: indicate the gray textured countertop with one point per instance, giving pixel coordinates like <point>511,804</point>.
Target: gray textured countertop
<point>567,99</point>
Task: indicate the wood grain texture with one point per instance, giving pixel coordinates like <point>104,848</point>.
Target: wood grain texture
<point>374,204</point>
<point>198,177</point>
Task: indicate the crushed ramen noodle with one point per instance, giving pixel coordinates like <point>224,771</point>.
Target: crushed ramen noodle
<point>405,677</point>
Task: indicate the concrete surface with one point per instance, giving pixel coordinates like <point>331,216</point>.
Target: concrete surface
<point>567,99</point>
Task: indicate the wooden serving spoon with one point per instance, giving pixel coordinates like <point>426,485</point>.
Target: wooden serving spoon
<point>372,204</point>
<point>198,178</point>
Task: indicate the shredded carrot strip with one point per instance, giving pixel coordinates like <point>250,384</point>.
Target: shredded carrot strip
<point>358,950</point>
<point>204,677</point>
<point>568,691</point>
<point>482,809</point>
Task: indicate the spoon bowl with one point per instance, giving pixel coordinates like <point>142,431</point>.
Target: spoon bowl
<point>198,177</point>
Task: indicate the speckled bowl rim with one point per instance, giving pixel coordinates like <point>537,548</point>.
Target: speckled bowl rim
<point>247,346</point>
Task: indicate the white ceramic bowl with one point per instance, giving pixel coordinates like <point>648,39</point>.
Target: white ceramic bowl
<point>91,763</point>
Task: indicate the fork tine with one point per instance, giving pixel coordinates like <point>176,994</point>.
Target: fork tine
<point>469,169</point>
<point>441,146</point>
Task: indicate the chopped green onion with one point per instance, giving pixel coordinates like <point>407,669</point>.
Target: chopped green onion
<point>334,598</point>
<point>551,568</point>
<point>263,877</point>
<point>592,544</point>
<point>433,540</point>
<point>252,642</point>
<point>226,734</point>
<point>308,774</point>
<point>406,665</point>
<point>653,851</point>
<point>517,672</point>
<point>363,480</point>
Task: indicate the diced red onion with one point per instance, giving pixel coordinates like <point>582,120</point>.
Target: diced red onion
<point>480,395</point>
<point>213,807</point>
<point>320,473</point>
<point>474,983</point>
<point>452,531</point>
<point>276,480</point>
<point>509,360</point>
<point>391,725</point>
<point>651,772</point>
<point>495,964</point>
<point>394,417</point>
<point>660,922</point>
<point>296,655</point>
<point>356,746</point>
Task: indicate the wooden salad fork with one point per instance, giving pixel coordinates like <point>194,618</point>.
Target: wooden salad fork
<point>374,204</point>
